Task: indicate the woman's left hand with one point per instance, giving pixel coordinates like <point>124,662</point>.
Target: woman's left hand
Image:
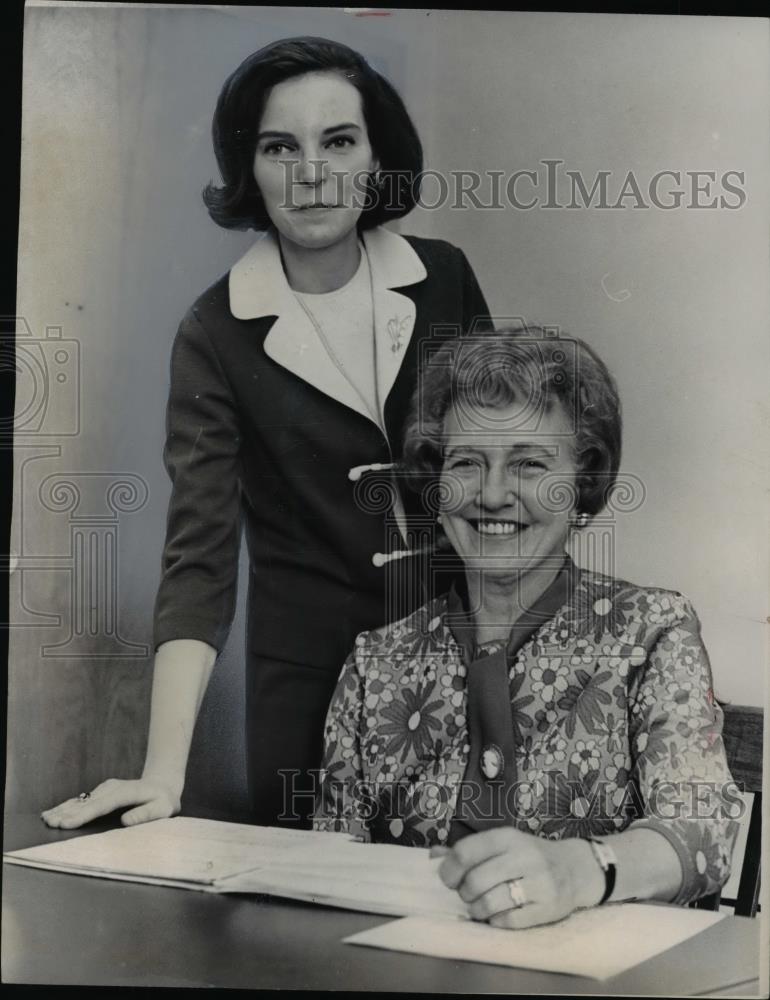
<point>550,878</point>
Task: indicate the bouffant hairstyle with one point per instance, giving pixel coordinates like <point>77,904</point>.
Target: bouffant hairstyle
<point>536,370</point>
<point>238,204</point>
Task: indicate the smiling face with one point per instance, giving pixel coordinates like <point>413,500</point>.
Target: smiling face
<point>312,157</point>
<point>499,517</point>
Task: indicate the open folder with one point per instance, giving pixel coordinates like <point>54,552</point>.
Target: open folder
<point>212,856</point>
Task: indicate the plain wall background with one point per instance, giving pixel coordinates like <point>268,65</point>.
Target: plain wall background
<point>115,244</point>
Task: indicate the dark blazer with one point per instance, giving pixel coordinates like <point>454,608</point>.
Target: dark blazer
<point>260,422</point>
<point>245,432</point>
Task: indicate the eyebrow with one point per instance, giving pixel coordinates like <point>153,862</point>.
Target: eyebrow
<point>550,451</point>
<point>343,127</point>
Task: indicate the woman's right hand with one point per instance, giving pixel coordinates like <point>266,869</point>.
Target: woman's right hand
<point>181,673</point>
<point>150,798</point>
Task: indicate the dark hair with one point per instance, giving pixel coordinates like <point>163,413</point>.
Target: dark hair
<point>522,364</point>
<point>238,203</point>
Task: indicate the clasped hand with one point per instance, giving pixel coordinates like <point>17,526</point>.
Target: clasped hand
<point>551,878</point>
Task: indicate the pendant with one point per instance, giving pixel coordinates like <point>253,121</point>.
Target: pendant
<point>492,761</point>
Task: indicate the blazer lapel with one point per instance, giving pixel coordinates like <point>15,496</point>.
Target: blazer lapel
<point>258,287</point>
<point>393,264</point>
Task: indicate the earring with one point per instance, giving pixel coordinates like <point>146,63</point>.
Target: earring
<point>439,519</point>
<point>582,519</point>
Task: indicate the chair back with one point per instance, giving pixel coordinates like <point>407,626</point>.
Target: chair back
<point>742,734</point>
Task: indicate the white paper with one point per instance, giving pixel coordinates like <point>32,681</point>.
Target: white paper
<point>182,849</point>
<point>327,868</point>
<point>597,943</point>
<point>379,890</point>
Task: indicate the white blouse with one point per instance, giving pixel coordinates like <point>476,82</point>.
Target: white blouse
<point>344,323</point>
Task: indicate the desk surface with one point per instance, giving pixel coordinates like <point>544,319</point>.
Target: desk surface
<point>69,929</point>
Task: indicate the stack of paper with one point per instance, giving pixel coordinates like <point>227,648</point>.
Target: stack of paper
<point>212,856</point>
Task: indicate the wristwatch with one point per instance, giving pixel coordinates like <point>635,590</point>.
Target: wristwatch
<point>605,858</point>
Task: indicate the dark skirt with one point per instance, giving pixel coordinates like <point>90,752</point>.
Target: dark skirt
<point>286,708</point>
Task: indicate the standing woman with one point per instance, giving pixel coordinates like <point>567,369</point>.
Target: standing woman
<point>290,381</point>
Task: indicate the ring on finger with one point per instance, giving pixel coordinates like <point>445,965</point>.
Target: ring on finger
<point>84,796</point>
<point>517,894</point>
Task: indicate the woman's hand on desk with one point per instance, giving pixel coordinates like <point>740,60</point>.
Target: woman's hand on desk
<point>550,878</point>
<point>181,673</point>
<point>149,798</point>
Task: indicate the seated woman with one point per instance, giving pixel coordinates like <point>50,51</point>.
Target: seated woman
<point>550,730</point>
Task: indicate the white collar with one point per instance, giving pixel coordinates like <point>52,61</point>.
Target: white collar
<point>258,285</point>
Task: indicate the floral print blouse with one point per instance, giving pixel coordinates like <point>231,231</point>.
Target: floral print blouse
<point>614,725</point>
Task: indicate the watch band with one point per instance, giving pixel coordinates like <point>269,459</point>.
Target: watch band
<point>605,857</point>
